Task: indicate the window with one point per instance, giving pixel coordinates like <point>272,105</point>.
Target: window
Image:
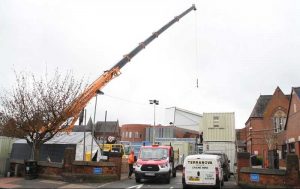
<point>126,134</point>
<point>279,120</point>
<point>130,134</point>
<point>136,135</point>
<point>216,121</point>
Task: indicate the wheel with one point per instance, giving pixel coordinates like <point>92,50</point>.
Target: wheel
<point>226,177</point>
<point>174,173</point>
<point>168,178</point>
<point>137,180</point>
<point>218,185</point>
<point>184,185</point>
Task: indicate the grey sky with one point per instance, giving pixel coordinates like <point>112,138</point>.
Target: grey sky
<point>237,50</point>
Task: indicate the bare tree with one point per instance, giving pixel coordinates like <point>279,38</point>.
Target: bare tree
<point>271,139</point>
<point>35,108</point>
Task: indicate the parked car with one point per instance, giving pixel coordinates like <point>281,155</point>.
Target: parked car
<point>225,163</point>
<point>202,170</point>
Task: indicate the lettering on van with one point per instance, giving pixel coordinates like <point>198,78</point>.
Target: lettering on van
<point>200,162</point>
<point>199,167</point>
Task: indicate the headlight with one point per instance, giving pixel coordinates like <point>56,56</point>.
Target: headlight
<point>163,165</point>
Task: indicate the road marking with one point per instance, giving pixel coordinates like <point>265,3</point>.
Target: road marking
<point>171,187</point>
<point>136,186</point>
<point>100,186</point>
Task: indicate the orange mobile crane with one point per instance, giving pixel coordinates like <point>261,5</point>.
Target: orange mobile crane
<point>73,111</point>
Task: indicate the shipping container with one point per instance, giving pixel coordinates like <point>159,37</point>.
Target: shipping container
<point>5,150</point>
<point>219,127</point>
<point>227,147</point>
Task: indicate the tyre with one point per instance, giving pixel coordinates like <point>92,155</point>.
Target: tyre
<point>137,180</point>
<point>184,185</point>
<point>174,173</point>
<point>218,185</point>
<point>168,178</point>
<point>226,177</point>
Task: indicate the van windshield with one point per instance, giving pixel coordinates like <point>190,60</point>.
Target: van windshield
<point>153,153</point>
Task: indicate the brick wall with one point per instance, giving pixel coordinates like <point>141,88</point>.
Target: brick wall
<point>268,178</point>
<point>75,171</point>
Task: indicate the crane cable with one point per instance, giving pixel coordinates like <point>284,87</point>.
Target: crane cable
<point>196,49</point>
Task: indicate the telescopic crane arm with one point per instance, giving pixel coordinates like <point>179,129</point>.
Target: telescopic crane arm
<point>81,101</point>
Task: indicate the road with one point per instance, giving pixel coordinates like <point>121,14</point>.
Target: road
<point>175,183</point>
<point>19,182</point>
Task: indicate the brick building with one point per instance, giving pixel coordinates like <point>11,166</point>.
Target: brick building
<point>143,132</point>
<point>265,126</point>
<point>292,126</point>
<point>102,129</point>
<point>134,132</point>
<point>241,140</point>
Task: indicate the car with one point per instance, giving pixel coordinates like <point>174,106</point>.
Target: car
<point>225,163</point>
<point>202,170</point>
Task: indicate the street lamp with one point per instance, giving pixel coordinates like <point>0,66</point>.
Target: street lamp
<point>98,92</point>
<point>154,102</point>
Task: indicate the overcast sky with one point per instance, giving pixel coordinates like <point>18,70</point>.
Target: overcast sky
<point>236,49</point>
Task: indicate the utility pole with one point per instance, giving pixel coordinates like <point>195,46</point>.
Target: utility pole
<point>93,127</point>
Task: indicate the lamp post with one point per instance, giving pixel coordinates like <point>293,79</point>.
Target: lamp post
<point>93,126</point>
<point>154,102</point>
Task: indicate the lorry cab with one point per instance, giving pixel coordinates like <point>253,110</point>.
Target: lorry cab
<point>155,162</point>
<point>202,170</point>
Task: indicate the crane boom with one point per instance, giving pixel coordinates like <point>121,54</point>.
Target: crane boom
<point>81,101</point>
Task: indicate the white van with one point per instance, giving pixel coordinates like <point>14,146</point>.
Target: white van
<point>202,170</point>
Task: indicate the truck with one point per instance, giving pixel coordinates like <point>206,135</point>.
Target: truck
<point>156,162</point>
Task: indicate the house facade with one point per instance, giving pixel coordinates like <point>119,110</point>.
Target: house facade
<point>265,127</point>
<point>102,129</point>
<point>293,124</point>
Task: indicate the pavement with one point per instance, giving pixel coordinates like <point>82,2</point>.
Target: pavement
<point>20,182</point>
